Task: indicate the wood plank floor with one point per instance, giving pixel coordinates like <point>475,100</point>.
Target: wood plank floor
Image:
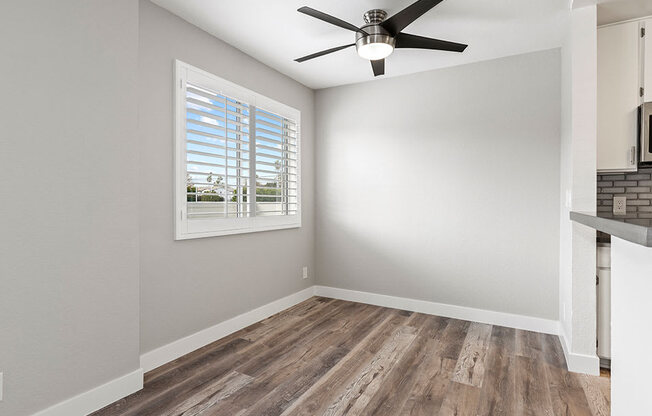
<point>331,357</point>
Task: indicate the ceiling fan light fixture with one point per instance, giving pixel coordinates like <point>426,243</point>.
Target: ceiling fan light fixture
<point>375,51</point>
<point>375,47</point>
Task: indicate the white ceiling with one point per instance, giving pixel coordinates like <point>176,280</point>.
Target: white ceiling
<point>275,33</point>
<point>611,11</point>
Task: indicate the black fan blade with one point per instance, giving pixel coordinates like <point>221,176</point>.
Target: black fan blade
<point>405,40</point>
<point>408,15</point>
<point>329,19</point>
<point>378,67</point>
<point>326,52</point>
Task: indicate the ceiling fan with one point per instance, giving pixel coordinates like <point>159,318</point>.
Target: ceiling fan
<point>379,36</point>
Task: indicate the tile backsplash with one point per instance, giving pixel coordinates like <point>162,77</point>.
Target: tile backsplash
<point>635,186</point>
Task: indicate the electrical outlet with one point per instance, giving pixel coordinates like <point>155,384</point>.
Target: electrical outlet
<point>305,272</point>
<point>620,205</point>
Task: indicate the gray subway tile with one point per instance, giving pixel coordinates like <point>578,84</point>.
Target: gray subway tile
<point>612,178</point>
<point>644,196</point>
<point>638,202</point>
<point>605,184</point>
<point>614,190</point>
<point>638,176</point>
<point>637,189</point>
<point>626,183</point>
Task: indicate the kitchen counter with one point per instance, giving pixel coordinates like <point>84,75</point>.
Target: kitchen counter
<point>635,230</point>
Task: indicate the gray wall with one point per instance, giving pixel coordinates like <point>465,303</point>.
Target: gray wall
<point>190,285</point>
<point>444,185</point>
<point>68,218</point>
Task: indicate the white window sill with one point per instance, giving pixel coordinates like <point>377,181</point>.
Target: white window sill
<point>220,233</point>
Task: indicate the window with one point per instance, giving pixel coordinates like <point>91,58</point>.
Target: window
<point>237,158</point>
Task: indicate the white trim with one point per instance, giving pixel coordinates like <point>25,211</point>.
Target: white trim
<point>183,346</point>
<point>97,398</point>
<point>237,231</point>
<point>546,326</point>
<point>578,363</point>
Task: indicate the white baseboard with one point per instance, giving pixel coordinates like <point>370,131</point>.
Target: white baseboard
<point>578,363</point>
<point>183,346</point>
<point>547,326</point>
<point>97,398</point>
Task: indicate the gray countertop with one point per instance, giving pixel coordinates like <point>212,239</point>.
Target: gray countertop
<point>636,230</point>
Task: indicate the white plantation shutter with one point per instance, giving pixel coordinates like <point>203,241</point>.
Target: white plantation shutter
<point>276,164</point>
<point>238,166</point>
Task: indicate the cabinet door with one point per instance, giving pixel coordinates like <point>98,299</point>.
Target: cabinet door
<point>647,52</point>
<point>618,96</point>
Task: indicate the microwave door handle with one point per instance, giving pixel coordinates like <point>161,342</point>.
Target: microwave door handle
<point>646,135</point>
<point>648,129</point>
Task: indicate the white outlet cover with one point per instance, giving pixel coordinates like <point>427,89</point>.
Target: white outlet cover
<point>620,205</point>
<point>305,272</point>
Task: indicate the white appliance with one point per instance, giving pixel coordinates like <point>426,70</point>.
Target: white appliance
<point>604,300</point>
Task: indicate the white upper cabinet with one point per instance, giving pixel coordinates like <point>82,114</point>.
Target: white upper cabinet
<point>619,83</point>
<point>647,51</point>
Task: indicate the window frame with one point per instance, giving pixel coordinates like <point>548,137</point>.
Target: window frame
<point>200,228</point>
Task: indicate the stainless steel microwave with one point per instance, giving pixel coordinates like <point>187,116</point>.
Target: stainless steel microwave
<point>645,115</point>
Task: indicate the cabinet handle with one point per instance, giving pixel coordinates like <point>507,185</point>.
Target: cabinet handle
<point>632,155</point>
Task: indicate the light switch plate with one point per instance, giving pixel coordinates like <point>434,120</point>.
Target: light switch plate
<point>620,205</point>
<point>305,272</point>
